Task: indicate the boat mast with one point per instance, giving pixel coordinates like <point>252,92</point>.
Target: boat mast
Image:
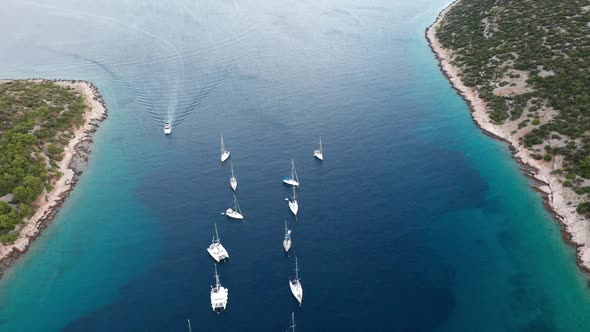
<point>222,147</point>
<point>294,197</point>
<point>217,234</point>
<point>232,168</point>
<point>216,278</point>
<point>236,205</point>
<point>286,229</point>
<point>296,270</point>
<point>321,151</point>
<point>292,321</point>
<point>293,171</point>
<point>189,325</point>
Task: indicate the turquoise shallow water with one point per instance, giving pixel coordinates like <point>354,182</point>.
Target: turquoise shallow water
<point>415,221</point>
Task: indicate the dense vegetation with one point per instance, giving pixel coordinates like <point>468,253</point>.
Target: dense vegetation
<point>545,44</point>
<point>35,123</point>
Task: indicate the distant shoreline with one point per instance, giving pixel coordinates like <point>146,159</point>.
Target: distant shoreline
<point>71,167</point>
<point>575,229</point>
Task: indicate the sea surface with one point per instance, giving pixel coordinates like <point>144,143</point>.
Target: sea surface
<point>415,221</point>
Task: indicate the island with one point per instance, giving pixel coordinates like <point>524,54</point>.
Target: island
<point>46,128</point>
<point>524,69</point>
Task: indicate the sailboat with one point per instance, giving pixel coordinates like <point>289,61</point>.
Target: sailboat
<point>219,295</point>
<point>216,249</point>
<point>287,240</point>
<point>293,203</point>
<point>224,152</point>
<point>292,180</point>
<point>233,182</point>
<point>295,285</point>
<point>319,153</point>
<point>236,212</point>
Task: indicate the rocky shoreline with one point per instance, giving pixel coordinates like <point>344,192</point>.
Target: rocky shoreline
<point>558,200</point>
<point>76,155</point>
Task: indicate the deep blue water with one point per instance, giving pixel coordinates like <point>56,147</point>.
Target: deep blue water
<point>415,221</point>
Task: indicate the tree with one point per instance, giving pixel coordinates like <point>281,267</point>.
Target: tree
<point>22,194</point>
<point>584,167</point>
<point>5,208</point>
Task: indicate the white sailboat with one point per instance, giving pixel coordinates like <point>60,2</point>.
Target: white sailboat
<point>293,205</point>
<point>216,249</point>
<point>219,295</point>
<point>319,153</point>
<point>233,182</point>
<point>224,152</point>
<point>292,180</point>
<point>236,212</point>
<point>295,285</point>
<point>287,240</point>
<point>167,128</point>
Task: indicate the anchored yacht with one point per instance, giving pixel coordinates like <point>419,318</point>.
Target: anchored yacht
<point>292,180</point>
<point>293,205</point>
<point>319,153</point>
<point>219,295</point>
<point>287,240</point>
<point>224,152</point>
<point>295,285</point>
<point>233,182</point>
<point>216,249</point>
<point>236,212</point>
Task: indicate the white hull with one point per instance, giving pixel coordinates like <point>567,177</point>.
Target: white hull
<point>233,214</point>
<point>286,245</point>
<point>291,182</point>
<point>224,155</point>
<point>217,252</point>
<point>219,296</point>
<point>233,182</point>
<point>296,290</point>
<point>167,128</point>
<point>318,154</point>
<point>294,206</point>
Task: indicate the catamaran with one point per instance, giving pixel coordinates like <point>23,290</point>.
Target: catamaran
<point>167,128</point>
<point>216,249</point>
<point>219,295</point>
<point>292,180</point>
<point>293,203</point>
<point>287,240</point>
<point>319,153</point>
<point>224,152</point>
<point>233,182</point>
<point>295,285</point>
<point>236,212</point>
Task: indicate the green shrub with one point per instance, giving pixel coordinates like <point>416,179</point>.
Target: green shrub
<point>54,149</point>
<point>583,208</point>
<point>9,238</point>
